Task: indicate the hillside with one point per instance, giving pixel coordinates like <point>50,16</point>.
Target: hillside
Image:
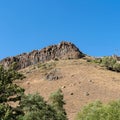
<point>81,82</point>
<point>65,66</point>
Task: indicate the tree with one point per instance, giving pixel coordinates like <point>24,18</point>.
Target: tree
<point>58,103</point>
<point>9,92</point>
<point>35,108</point>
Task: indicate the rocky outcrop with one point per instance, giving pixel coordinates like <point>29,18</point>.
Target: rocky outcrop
<point>64,50</point>
<point>54,74</point>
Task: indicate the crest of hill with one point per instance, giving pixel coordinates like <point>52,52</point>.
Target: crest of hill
<point>64,50</point>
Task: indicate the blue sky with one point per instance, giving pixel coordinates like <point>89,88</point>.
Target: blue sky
<point>93,25</point>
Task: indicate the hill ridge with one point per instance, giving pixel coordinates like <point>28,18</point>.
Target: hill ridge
<point>63,50</point>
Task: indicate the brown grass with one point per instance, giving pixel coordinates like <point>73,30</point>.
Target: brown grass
<point>82,82</point>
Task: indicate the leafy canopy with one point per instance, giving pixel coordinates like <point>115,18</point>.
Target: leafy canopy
<point>100,111</point>
<point>31,106</point>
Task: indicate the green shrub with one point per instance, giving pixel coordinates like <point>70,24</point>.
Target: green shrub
<point>100,111</point>
<point>116,67</point>
<point>98,60</point>
<point>58,103</point>
<point>108,62</point>
<point>88,60</point>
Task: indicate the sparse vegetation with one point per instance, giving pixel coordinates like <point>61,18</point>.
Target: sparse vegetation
<point>100,111</point>
<point>46,66</point>
<point>109,62</point>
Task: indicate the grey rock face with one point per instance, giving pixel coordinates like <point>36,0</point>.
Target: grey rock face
<point>64,50</point>
<point>54,74</point>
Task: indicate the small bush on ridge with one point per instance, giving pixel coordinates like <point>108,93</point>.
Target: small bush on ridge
<point>109,62</point>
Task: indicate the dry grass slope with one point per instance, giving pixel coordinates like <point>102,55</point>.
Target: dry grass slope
<point>82,82</point>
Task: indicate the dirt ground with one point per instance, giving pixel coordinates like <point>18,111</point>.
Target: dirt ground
<point>81,82</point>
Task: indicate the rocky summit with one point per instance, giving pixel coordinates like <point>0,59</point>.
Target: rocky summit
<point>64,50</point>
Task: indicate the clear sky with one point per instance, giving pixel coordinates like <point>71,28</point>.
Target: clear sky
<point>92,25</point>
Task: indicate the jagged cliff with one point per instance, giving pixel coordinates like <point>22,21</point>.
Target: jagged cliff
<point>64,50</point>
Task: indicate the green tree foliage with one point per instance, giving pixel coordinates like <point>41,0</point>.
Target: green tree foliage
<point>35,108</point>
<point>58,103</point>
<point>100,111</point>
<point>30,107</point>
<point>9,92</point>
<point>5,112</point>
<point>7,88</point>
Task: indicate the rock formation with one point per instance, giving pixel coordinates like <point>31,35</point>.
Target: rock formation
<point>64,50</point>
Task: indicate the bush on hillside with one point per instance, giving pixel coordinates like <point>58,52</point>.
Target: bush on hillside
<point>116,67</point>
<point>109,62</point>
<point>100,111</point>
<point>97,60</point>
